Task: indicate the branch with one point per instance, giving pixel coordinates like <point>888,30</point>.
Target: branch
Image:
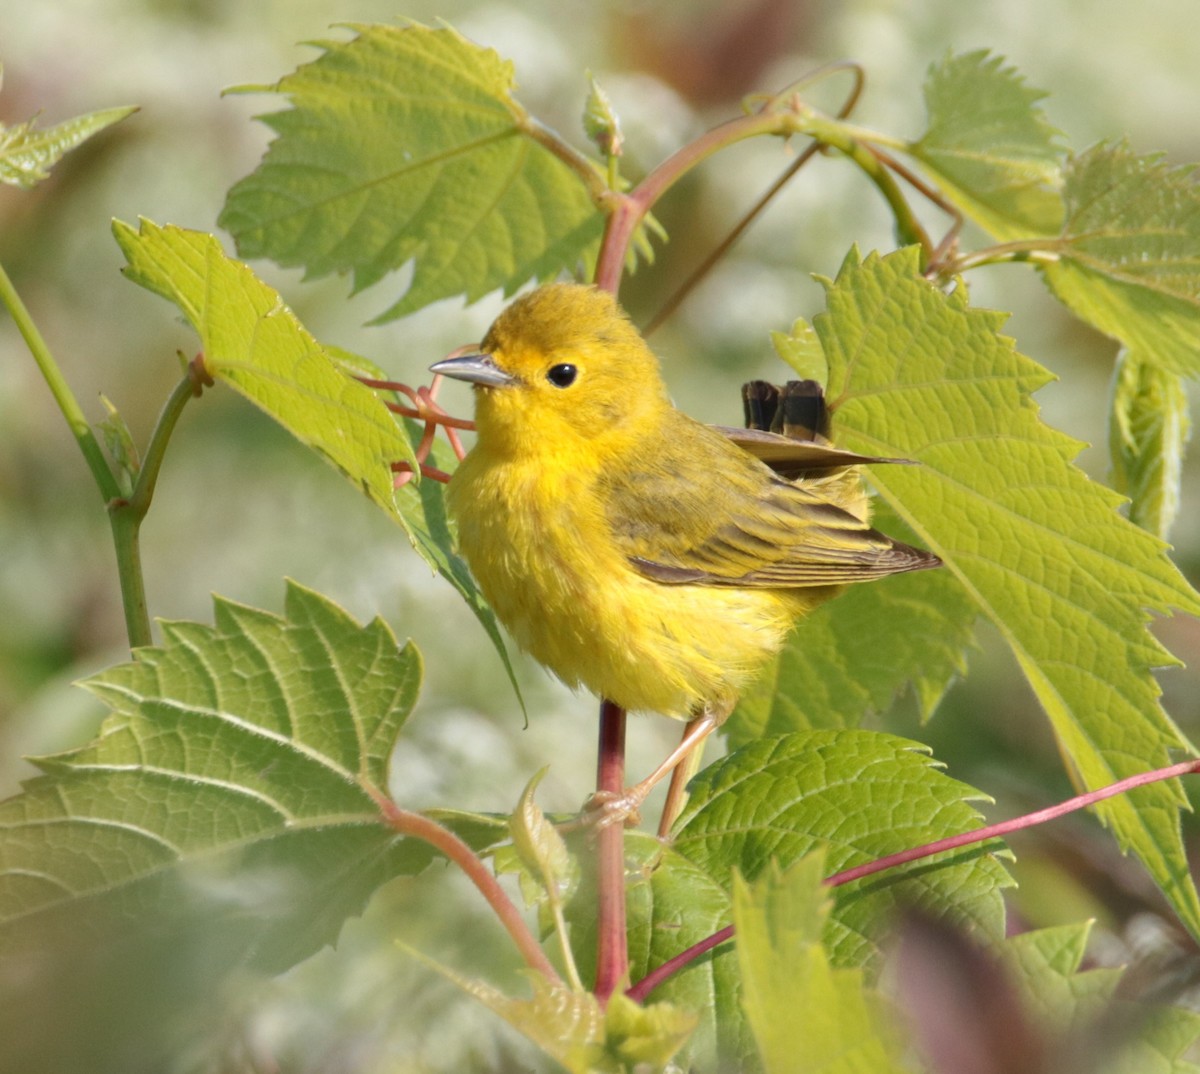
<point>756,210</point>
<point>612,955</point>
<point>82,431</point>
<point>655,977</point>
<point>444,840</point>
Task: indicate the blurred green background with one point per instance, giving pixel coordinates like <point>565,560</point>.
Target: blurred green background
<point>240,505</point>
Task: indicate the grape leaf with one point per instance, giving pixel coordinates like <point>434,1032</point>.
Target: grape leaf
<point>254,343</point>
<point>1129,256</point>
<point>1148,431</point>
<point>1041,549</point>
<point>257,346</point>
<point>586,1038</point>
<point>801,349</point>
<point>1106,1032</point>
<point>862,795</point>
<point>27,154</point>
<point>785,970</point>
<point>851,657</point>
<point>402,144</point>
<point>989,147</point>
<point>257,743</point>
<point>671,904</point>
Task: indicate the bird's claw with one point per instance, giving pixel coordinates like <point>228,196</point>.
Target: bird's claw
<point>605,808</point>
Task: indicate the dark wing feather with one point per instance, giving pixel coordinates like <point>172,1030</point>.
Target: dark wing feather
<point>750,529</point>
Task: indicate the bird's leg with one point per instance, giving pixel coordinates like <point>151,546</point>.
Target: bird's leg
<point>681,775</point>
<point>611,809</point>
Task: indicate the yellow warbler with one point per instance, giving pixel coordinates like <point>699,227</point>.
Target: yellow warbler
<point>627,547</point>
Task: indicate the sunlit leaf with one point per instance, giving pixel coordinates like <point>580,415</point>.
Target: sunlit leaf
<point>990,147</point>
<point>801,349</point>
<point>808,1017</point>
<point>254,343</point>
<point>406,144</point>
<point>27,154</point>
<point>861,795</point>
<point>1041,549</point>
<point>585,1038</point>
<point>1148,432</point>
<point>1129,259</point>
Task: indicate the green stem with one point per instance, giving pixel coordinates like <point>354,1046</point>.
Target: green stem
<point>583,166</point>
<point>190,386</point>
<point>778,117</point>
<point>126,515</point>
<point>78,423</point>
<point>123,521</point>
<point>756,210</point>
<point>1043,251</point>
<point>126,527</point>
<point>848,141</point>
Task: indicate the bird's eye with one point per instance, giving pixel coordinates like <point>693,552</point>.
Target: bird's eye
<point>562,375</point>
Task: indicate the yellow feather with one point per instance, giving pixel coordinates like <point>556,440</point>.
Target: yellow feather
<point>629,549</point>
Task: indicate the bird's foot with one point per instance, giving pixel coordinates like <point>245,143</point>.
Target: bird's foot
<point>605,808</point>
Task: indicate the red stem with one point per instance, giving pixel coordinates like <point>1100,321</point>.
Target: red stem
<point>631,207</point>
<point>1004,827</point>
<point>612,953</point>
<point>429,831</point>
<point>655,977</point>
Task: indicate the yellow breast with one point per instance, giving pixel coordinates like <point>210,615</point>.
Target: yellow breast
<point>540,551</point>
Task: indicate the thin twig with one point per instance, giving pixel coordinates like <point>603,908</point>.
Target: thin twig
<point>739,229</point>
<point>655,977</point>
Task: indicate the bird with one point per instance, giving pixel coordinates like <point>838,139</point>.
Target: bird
<point>632,550</point>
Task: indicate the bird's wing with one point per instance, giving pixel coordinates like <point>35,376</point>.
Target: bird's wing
<point>797,458</point>
<point>713,515</point>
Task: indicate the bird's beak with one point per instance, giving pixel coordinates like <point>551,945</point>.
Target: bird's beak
<point>474,369</point>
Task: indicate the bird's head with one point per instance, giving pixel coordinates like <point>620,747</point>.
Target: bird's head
<point>561,366</point>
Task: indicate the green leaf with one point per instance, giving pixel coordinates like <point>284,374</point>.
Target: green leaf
<point>862,795</point>
<point>641,1038</point>
<point>853,655</point>
<point>254,343</point>
<point>801,349</point>
<point>1083,1014</point>
<point>989,147</point>
<point>807,1016</point>
<point>671,904</point>
<point>1148,432</point>
<point>600,121</point>
<point>572,1027</point>
<point>546,871</point>
<point>1129,258</point>
<point>27,154</point>
<point>405,144</point>
<point>121,447</point>
<point>1041,549</point>
<point>540,851</point>
<point>237,771</point>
